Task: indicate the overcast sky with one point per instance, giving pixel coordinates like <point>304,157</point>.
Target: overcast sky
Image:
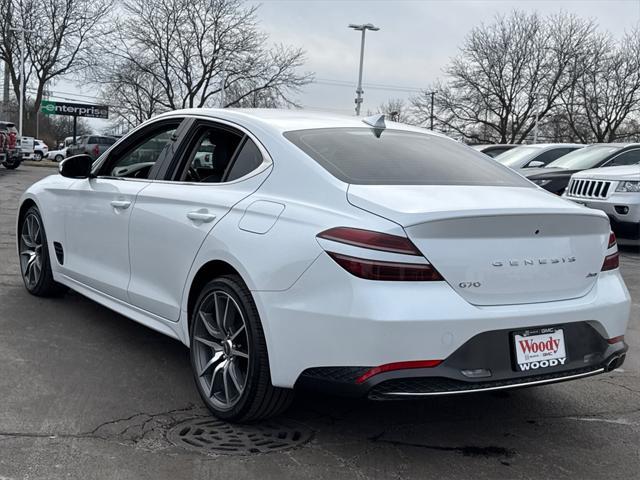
<point>415,41</point>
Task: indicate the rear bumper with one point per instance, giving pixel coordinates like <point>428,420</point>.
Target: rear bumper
<point>329,318</point>
<point>587,351</point>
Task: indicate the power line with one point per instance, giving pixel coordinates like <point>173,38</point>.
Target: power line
<point>372,86</point>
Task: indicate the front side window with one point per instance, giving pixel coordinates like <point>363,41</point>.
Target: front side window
<point>551,155</point>
<point>397,157</point>
<point>138,160</point>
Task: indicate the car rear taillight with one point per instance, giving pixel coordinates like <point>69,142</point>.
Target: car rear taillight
<point>96,151</point>
<point>611,261</point>
<point>376,269</point>
<point>372,240</point>
<point>379,270</point>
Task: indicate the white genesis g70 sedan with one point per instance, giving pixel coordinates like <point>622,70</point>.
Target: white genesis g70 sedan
<point>295,249</point>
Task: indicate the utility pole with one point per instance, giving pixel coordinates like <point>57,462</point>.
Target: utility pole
<point>433,94</point>
<point>362,28</point>
<point>22,82</point>
<point>535,125</point>
<point>5,93</point>
<point>223,80</point>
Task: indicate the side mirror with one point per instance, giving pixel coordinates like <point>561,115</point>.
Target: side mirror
<point>78,166</point>
<point>535,164</point>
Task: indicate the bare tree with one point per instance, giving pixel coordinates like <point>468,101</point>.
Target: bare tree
<point>606,92</point>
<point>61,33</point>
<point>506,72</point>
<point>170,54</point>
<point>397,110</point>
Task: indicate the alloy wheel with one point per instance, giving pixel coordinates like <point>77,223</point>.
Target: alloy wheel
<point>31,250</point>
<point>221,344</point>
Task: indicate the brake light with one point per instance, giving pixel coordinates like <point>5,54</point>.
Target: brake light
<point>96,150</point>
<point>389,367</point>
<point>374,269</point>
<point>389,271</point>
<point>611,262</point>
<point>369,239</point>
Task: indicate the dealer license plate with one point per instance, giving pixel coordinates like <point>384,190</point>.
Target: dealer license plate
<point>539,349</point>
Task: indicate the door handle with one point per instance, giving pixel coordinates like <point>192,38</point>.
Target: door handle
<point>201,217</point>
<point>121,204</point>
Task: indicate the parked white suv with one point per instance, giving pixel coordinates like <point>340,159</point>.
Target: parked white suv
<point>615,191</point>
<point>40,150</point>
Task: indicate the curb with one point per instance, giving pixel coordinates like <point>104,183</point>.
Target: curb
<point>41,163</point>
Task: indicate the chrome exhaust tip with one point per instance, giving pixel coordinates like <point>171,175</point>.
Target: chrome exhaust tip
<point>614,362</point>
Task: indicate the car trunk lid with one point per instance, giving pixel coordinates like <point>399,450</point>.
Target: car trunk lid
<point>497,245</point>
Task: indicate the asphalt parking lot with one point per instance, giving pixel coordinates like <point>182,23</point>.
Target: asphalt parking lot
<point>86,393</point>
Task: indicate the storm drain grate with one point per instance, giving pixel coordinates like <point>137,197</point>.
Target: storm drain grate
<point>212,436</point>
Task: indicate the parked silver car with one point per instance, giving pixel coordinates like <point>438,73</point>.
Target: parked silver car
<point>94,145</point>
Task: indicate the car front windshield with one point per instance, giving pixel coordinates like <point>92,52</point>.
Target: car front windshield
<point>517,156</point>
<point>584,158</point>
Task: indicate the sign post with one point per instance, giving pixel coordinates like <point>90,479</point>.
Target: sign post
<point>49,107</point>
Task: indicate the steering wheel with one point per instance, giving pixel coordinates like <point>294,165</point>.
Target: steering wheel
<point>192,175</point>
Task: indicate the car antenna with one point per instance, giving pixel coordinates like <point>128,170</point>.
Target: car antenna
<point>377,122</point>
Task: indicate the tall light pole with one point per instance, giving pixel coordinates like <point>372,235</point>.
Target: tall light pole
<point>21,100</point>
<point>535,125</point>
<point>362,28</point>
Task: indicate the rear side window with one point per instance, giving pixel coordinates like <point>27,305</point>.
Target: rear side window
<point>92,140</point>
<point>249,158</point>
<point>396,157</point>
<point>106,141</point>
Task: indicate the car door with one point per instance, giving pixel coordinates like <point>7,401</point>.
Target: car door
<point>172,217</point>
<point>98,210</point>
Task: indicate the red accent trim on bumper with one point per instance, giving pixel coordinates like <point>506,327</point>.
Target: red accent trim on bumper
<point>398,366</point>
<point>614,340</point>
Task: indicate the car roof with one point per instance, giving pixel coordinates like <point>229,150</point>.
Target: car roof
<point>283,120</point>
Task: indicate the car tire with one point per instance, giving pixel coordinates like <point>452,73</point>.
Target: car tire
<point>58,158</point>
<point>12,164</point>
<point>35,264</point>
<point>37,156</point>
<point>229,354</point>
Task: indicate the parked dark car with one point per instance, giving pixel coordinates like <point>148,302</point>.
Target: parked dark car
<point>537,155</point>
<point>94,145</point>
<point>555,176</point>
<point>493,150</point>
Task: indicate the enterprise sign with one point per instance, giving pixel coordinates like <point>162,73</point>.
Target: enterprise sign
<point>49,107</point>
